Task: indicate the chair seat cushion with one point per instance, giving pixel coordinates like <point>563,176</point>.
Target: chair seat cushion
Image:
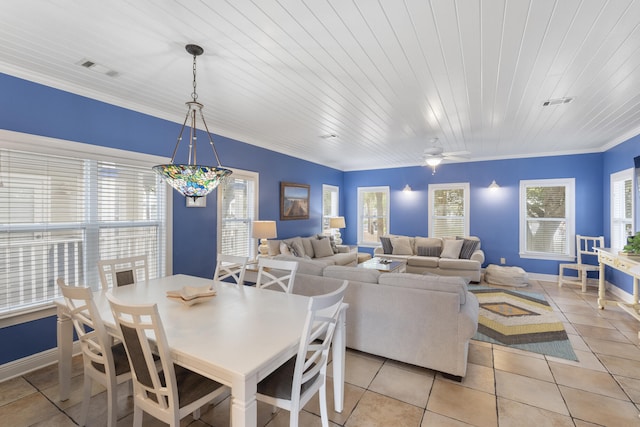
<point>278,384</point>
<point>193,386</point>
<point>120,360</point>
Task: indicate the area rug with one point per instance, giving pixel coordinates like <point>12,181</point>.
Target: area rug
<point>522,320</point>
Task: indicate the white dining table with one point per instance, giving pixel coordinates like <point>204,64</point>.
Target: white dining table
<point>236,338</point>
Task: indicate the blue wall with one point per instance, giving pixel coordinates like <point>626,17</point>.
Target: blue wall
<point>32,108</point>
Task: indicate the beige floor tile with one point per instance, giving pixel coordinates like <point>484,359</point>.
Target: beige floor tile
<point>14,389</point>
<point>478,377</point>
<point>27,411</point>
<point>60,420</point>
<point>403,383</point>
<point>480,353</point>
<point>569,329</point>
<point>588,380</point>
<point>626,324</point>
<point>360,369</point>
<point>541,394</point>
<point>47,377</point>
<point>431,419</point>
<point>577,342</point>
<point>580,423</point>
<point>632,335</point>
<point>219,415</point>
<point>306,419</point>
<point>352,395</point>
<point>599,409</point>
<point>620,366</point>
<point>631,386</point>
<point>463,404</point>
<point>627,351</point>
<point>522,365</point>
<point>588,320</point>
<point>601,333</point>
<point>516,414</point>
<point>497,347</point>
<point>375,410</point>
<point>98,407</point>
<point>76,392</point>
<point>586,359</point>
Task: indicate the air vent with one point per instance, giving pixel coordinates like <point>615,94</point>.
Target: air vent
<point>329,136</point>
<point>94,66</point>
<point>557,101</point>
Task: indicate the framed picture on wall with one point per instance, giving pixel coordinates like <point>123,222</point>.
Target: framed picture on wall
<point>294,201</point>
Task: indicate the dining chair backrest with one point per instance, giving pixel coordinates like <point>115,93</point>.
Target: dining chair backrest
<point>275,272</point>
<point>308,375</point>
<point>99,361</point>
<point>158,391</point>
<point>230,267</point>
<point>123,271</point>
<point>587,245</point>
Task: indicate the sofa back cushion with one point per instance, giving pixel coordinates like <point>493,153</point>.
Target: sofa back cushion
<point>306,266</point>
<point>387,248</point>
<point>402,246</point>
<point>451,248</point>
<point>357,274</point>
<point>427,282</point>
<point>322,248</point>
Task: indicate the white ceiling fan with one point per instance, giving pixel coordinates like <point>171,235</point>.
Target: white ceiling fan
<point>434,155</point>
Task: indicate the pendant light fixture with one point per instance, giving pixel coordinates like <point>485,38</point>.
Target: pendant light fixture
<point>191,179</point>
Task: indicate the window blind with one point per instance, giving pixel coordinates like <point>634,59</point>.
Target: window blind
<point>621,208</point>
<point>236,212</point>
<point>546,219</point>
<point>60,214</point>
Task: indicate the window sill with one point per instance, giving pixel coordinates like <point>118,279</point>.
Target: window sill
<point>27,316</point>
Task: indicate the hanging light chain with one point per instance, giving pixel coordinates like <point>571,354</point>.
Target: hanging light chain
<point>194,94</point>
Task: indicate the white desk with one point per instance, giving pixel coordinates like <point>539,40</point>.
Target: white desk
<point>237,338</point>
<point>626,264</point>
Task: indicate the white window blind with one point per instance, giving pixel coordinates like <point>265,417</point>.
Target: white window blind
<point>448,208</point>
<point>373,215</point>
<point>59,214</point>
<point>622,207</point>
<point>237,209</point>
<point>330,205</point>
<point>547,218</point>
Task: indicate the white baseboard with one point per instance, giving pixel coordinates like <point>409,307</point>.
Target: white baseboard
<point>27,364</point>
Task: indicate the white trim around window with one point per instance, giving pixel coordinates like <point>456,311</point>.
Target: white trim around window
<point>622,202</point>
<point>376,223</point>
<point>446,219</point>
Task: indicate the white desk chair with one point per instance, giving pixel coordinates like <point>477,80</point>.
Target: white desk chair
<point>293,384</point>
<point>123,271</point>
<point>585,246</point>
<point>230,267</point>
<point>172,393</point>
<point>103,363</point>
<point>275,272</point>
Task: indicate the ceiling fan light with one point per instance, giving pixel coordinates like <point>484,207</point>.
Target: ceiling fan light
<point>434,161</point>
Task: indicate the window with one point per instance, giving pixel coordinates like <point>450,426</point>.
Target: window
<point>449,209</point>
<point>64,206</point>
<point>373,215</point>
<point>622,207</point>
<point>237,209</point>
<point>547,224</point>
<point>330,205</point>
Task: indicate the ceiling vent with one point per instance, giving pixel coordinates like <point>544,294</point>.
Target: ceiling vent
<point>557,101</point>
<point>93,66</point>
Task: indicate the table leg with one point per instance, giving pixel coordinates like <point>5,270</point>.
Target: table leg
<point>601,287</point>
<point>65,349</point>
<point>244,406</point>
<point>339,355</point>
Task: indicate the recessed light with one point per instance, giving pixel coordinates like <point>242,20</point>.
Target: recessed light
<point>94,66</point>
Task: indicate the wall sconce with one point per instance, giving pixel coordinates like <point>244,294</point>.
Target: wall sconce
<point>493,185</point>
<point>407,189</point>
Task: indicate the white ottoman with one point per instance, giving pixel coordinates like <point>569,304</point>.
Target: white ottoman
<point>505,276</point>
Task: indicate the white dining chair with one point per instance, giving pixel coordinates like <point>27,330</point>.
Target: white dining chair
<point>170,393</point>
<point>275,272</point>
<point>123,271</point>
<point>230,267</point>
<point>587,260</point>
<point>104,363</point>
<point>293,384</point>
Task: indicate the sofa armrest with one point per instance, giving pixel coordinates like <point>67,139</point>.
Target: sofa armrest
<point>378,251</point>
<point>343,249</point>
<point>478,255</point>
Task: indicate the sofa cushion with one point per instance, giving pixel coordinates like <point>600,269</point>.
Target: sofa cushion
<point>423,261</point>
<point>401,246</point>
<point>332,240</point>
<point>306,266</point>
<point>307,244</point>
<point>427,282</point>
<point>469,246</point>
<point>295,246</point>
<point>458,264</point>
<point>427,241</point>
<point>342,258</point>
<point>451,248</point>
<point>321,248</point>
<point>356,274</point>
<point>433,251</point>
<point>284,249</point>
<point>387,248</point>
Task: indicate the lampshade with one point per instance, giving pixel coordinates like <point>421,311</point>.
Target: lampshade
<point>193,180</point>
<point>337,222</point>
<point>264,230</point>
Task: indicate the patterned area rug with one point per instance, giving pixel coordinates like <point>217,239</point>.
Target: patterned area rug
<point>522,320</point>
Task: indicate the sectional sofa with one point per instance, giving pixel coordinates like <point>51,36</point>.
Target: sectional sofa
<point>317,247</point>
<point>424,320</point>
<point>449,256</point>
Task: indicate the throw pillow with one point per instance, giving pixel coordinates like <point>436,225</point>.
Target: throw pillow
<point>334,248</point>
<point>434,251</point>
<point>401,246</point>
<point>322,248</point>
<point>284,249</point>
<point>387,248</point>
<point>451,248</point>
<point>469,246</point>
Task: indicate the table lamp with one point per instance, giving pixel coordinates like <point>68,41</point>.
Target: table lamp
<point>337,222</point>
<point>264,230</point>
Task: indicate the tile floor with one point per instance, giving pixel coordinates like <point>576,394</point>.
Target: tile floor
<point>503,387</point>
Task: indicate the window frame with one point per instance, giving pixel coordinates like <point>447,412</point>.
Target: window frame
<point>335,210</point>
<point>615,223</point>
<point>570,220</point>
<point>29,143</point>
<point>252,244</point>
<point>466,187</point>
<point>361,192</point>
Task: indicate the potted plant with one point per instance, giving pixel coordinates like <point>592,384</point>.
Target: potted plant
<point>633,245</point>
